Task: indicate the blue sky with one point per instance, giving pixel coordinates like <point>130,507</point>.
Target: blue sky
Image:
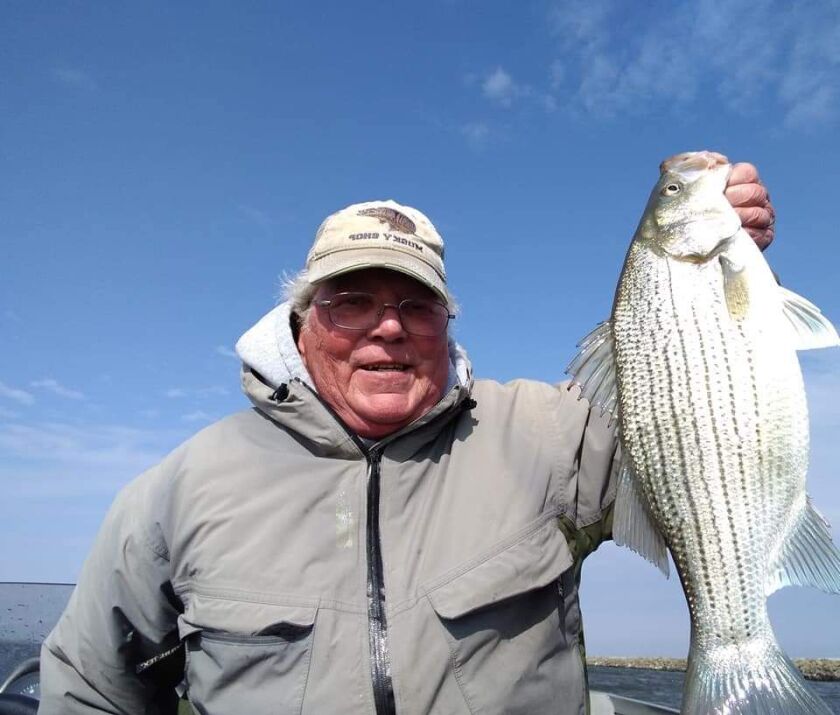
<point>164,165</point>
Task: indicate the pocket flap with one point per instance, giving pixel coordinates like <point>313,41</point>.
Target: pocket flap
<point>248,617</point>
<point>532,561</point>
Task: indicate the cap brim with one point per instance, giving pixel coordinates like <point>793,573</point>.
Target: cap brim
<point>340,262</point>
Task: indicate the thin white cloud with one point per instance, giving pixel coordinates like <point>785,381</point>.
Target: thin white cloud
<point>580,22</point>
<point>477,134</point>
<point>749,56</point>
<point>13,393</point>
<point>57,388</point>
<point>58,460</point>
<point>197,416</point>
<point>499,87</point>
<point>6,414</point>
<point>810,85</point>
<point>211,391</point>
<point>11,316</point>
<point>214,390</point>
<point>257,216</point>
<point>557,73</point>
<point>88,445</point>
<point>76,78</point>
<point>225,351</point>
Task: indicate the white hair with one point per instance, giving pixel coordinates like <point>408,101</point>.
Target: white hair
<point>298,291</point>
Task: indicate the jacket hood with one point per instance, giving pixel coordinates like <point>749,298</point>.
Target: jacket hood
<point>275,379</point>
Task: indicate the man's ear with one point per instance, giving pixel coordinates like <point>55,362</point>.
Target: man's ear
<point>294,324</point>
<point>297,333</point>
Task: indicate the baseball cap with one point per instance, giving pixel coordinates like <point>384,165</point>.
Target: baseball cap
<point>379,234</point>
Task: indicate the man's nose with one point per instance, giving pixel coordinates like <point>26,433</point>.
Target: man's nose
<point>389,325</point>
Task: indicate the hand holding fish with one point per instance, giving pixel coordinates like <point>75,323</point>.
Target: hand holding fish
<point>751,201</point>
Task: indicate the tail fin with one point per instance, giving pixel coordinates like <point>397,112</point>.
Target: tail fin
<point>754,677</point>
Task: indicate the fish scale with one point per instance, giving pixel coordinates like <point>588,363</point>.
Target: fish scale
<point>698,366</point>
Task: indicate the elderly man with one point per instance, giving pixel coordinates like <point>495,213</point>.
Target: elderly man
<point>379,534</point>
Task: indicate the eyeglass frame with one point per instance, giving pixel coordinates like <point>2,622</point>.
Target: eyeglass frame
<point>327,302</point>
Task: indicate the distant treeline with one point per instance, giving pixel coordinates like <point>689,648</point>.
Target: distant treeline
<point>823,669</point>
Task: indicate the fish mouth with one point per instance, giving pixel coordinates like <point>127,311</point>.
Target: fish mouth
<point>693,161</point>
<point>691,166</point>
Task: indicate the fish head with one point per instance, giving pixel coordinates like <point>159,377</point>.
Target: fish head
<point>687,216</point>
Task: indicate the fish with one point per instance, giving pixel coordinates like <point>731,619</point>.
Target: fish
<point>697,368</point>
<point>396,220</point>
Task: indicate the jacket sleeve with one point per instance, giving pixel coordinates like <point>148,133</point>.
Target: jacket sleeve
<point>122,614</point>
<point>594,468</point>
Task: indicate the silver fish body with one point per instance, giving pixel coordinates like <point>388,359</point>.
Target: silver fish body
<point>714,429</point>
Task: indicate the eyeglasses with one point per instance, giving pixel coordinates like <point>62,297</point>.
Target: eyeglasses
<point>362,311</point>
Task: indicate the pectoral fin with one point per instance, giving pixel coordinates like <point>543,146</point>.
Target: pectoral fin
<point>735,288</point>
<point>810,328</point>
<point>593,370</point>
<point>633,526</point>
<point>808,557</point>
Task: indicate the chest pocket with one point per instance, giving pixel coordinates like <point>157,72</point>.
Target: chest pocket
<point>504,619</point>
<point>246,657</point>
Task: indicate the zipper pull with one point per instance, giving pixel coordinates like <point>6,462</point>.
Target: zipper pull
<point>280,394</point>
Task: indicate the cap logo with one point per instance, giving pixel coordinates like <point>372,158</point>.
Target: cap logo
<point>396,220</point>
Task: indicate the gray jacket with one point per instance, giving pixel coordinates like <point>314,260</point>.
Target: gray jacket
<point>278,565</point>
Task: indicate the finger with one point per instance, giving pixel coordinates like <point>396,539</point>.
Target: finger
<point>752,194</point>
<point>763,237</point>
<point>743,173</point>
<point>756,216</point>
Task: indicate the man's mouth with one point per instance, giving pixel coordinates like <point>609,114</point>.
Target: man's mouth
<point>386,367</point>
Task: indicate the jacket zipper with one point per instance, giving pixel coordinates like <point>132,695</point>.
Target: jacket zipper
<point>380,662</point>
<point>380,665</point>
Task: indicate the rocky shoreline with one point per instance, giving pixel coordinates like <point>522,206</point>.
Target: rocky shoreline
<point>822,669</point>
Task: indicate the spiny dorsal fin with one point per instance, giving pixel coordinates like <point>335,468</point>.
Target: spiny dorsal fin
<point>593,370</point>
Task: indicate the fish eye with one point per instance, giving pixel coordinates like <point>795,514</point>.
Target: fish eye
<point>671,189</point>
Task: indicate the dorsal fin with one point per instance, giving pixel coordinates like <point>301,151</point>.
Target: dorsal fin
<point>593,370</point>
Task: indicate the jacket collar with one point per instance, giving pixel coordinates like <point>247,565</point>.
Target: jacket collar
<point>276,381</point>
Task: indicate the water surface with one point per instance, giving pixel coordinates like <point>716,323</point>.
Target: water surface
<point>665,687</point>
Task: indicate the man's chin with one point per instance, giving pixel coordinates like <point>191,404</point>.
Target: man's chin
<point>388,412</point>
<point>383,414</point>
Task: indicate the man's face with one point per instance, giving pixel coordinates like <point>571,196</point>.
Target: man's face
<point>343,363</point>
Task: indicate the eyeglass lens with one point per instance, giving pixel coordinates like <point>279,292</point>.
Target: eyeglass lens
<point>361,311</point>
